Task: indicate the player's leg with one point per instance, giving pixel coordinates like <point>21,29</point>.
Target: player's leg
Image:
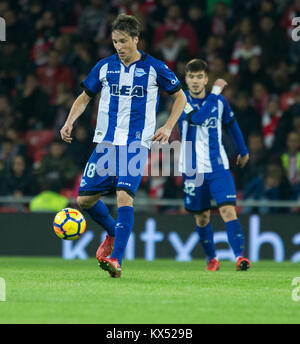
<point>126,188</point>
<point>98,211</point>
<point>206,238</point>
<point>124,224</point>
<point>123,228</point>
<point>92,186</point>
<point>233,229</point>
<point>235,235</point>
<point>223,191</point>
<point>197,202</point>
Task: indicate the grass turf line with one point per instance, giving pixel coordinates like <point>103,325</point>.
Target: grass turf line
<point>53,290</point>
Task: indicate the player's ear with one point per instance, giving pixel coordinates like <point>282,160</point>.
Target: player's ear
<point>136,40</point>
<point>206,79</point>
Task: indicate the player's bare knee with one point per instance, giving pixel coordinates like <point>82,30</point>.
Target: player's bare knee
<point>202,220</point>
<point>85,202</point>
<point>228,213</point>
<point>124,199</point>
<point>82,202</point>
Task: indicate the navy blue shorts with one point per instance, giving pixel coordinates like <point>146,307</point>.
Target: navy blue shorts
<point>113,168</point>
<point>218,185</point>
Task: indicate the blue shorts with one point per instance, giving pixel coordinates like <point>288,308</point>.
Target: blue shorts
<point>112,167</point>
<point>218,185</point>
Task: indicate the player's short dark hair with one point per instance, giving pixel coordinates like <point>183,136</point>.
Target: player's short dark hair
<point>128,24</point>
<point>196,65</point>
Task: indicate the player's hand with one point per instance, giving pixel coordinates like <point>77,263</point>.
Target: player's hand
<point>162,135</point>
<point>65,133</point>
<point>242,160</point>
<point>221,83</point>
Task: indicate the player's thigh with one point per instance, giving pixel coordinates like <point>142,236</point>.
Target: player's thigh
<point>202,218</point>
<point>222,188</point>
<point>99,173</point>
<point>131,162</point>
<point>196,197</point>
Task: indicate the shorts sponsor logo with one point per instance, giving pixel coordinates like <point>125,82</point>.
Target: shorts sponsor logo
<point>124,183</point>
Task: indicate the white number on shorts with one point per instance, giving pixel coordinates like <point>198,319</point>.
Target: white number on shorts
<point>90,170</point>
<point>189,188</point>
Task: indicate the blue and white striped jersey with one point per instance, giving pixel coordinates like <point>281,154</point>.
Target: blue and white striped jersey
<point>129,97</point>
<point>202,150</point>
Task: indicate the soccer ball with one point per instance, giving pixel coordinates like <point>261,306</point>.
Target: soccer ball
<point>69,224</point>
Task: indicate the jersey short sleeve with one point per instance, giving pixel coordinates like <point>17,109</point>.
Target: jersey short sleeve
<point>228,115</point>
<point>92,84</point>
<point>167,79</point>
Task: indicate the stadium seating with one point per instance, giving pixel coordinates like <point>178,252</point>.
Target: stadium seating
<point>37,141</point>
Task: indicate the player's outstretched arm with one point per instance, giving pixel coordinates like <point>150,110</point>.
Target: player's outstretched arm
<point>237,136</point>
<point>162,134</point>
<point>207,110</point>
<point>77,110</point>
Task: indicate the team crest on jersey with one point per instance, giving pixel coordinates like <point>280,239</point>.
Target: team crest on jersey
<point>83,183</point>
<point>139,72</point>
<point>125,90</point>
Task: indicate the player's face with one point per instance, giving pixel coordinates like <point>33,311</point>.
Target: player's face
<point>125,45</point>
<point>196,81</point>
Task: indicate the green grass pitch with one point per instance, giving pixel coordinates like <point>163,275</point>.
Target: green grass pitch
<point>53,290</point>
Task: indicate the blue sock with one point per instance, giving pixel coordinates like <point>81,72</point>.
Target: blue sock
<point>206,236</point>
<point>235,237</point>
<point>101,215</point>
<point>123,230</point>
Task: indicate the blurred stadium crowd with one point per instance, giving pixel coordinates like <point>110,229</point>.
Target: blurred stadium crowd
<point>52,45</point>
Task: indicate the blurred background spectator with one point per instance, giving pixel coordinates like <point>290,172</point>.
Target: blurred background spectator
<point>273,186</point>
<point>174,21</point>
<point>291,162</point>
<point>270,119</point>
<point>19,180</point>
<point>57,169</point>
<point>31,104</point>
<point>257,162</point>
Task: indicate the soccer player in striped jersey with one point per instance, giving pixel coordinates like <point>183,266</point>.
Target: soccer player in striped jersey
<point>205,160</point>
<point>129,82</point>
